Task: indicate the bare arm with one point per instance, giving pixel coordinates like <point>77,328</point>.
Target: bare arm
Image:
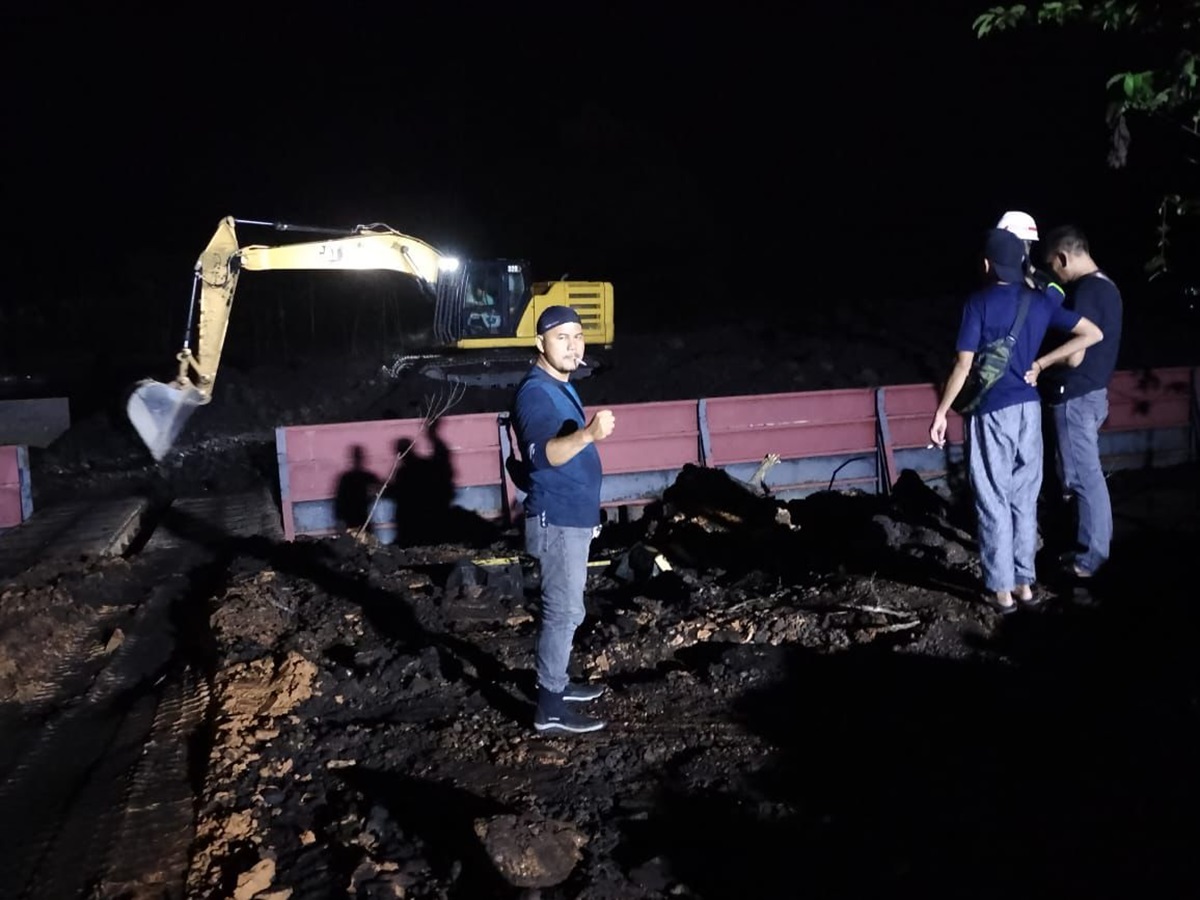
<point>1075,359</point>
<point>954,384</point>
<point>958,377</point>
<point>1087,334</point>
<point>562,450</point>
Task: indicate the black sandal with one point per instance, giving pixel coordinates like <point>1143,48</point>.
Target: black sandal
<point>993,601</point>
<point>1033,602</point>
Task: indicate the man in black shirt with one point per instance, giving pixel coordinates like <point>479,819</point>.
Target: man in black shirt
<point>1077,393</point>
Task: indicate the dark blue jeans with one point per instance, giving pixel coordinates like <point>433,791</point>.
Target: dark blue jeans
<point>562,555</point>
<point>1077,433</point>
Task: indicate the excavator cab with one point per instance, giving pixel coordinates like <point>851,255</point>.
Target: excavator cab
<point>492,305</point>
<point>484,300</point>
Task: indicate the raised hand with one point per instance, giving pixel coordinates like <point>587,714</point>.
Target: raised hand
<point>602,424</point>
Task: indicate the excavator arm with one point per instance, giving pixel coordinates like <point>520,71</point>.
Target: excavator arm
<point>158,411</point>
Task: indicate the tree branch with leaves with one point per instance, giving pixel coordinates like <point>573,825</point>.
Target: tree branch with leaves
<point>1167,92</point>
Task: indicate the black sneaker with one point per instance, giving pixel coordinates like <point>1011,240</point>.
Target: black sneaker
<point>583,693</point>
<point>553,714</point>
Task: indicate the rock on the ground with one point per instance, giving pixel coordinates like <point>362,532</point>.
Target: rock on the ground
<point>530,851</point>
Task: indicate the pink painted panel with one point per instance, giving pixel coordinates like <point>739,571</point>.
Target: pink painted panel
<point>318,455</point>
<point>793,442</point>
<point>665,435</point>
<point>797,425</point>
<point>650,436</point>
<point>10,488</point>
<point>910,409</point>
<point>476,467</point>
<point>640,419</point>
<point>809,408</point>
<point>1158,398</point>
<point>317,479</point>
<point>314,479</point>
<point>911,399</point>
<point>10,469</point>
<point>335,442</point>
<point>379,438</point>
<point>649,454</point>
<point>472,431</point>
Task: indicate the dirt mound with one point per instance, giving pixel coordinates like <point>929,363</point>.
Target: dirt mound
<point>734,646</point>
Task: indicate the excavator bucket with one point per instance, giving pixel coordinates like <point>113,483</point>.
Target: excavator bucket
<point>159,411</point>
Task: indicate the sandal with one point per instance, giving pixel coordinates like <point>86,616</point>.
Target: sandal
<point>994,602</point>
<point>1031,599</point>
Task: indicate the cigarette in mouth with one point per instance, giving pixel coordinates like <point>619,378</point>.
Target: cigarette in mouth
<point>582,361</point>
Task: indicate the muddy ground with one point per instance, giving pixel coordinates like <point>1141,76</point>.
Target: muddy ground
<point>806,698</point>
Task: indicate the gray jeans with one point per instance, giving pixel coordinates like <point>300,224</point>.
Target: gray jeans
<point>1004,456</point>
<point>562,554</point>
<point>1077,432</point>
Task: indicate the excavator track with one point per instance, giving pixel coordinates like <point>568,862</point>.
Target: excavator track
<point>154,831</point>
<point>493,369</point>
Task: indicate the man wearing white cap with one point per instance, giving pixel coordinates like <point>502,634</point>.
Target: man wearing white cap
<point>1003,433</point>
<point>1023,226</point>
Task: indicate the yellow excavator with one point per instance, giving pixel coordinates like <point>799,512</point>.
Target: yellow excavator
<point>479,306</point>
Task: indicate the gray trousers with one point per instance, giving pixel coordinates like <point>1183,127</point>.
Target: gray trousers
<point>1004,457</point>
<point>562,555</point>
<point>1077,432</point>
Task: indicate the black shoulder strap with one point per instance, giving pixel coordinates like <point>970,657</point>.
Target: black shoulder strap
<point>1022,309</point>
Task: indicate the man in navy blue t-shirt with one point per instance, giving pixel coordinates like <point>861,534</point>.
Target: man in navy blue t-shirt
<point>1077,394</point>
<point>562,508</point>
<point>1004,434</point>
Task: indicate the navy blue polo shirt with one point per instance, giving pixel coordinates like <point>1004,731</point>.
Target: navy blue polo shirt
<point>989,314</point>
<point>569,495</point>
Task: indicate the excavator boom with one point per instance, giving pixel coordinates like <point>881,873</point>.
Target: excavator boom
<point>158,411</point>
<point>480,307</point>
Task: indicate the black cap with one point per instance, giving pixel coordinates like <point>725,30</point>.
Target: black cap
<point>553,316</point>
<point>1006,254</point>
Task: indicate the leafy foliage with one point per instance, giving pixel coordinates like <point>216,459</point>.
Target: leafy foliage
<point>1170,89</point>
<point>1167,92</point>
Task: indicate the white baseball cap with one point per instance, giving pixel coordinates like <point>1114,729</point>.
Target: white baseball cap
<point>1019,223</point>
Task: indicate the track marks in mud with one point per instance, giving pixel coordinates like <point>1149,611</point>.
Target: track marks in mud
<point>65,798</point>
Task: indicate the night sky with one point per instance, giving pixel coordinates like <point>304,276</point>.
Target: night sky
<point>702,161</point>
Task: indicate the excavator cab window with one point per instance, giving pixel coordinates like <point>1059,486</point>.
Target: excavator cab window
<point>494,297</point>
<point>483,300</point>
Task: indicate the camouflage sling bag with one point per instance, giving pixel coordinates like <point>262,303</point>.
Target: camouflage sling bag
<point>989,364</point>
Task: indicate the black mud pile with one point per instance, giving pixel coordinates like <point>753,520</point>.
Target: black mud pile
<point>805,698</point>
